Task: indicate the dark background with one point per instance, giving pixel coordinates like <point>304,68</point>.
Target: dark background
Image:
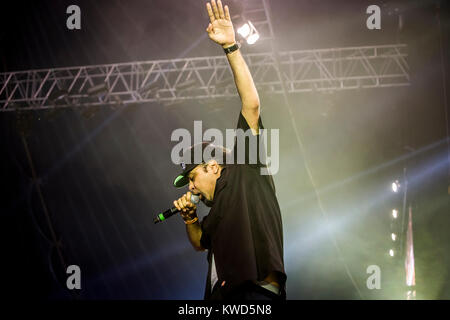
<point>104,177</point>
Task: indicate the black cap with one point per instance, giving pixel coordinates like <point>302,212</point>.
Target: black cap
<point>182,179</point>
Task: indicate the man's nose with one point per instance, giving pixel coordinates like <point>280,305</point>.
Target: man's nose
<point>191,186</point>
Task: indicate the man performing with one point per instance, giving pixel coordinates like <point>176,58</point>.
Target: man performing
<point>243,230</point>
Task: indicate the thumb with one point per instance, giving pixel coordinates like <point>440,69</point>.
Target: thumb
<point>209,28</point>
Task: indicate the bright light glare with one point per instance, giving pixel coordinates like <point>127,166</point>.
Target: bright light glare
<point>393,236</point>
<point>244,30</point>
<point>253,38</point>
<point>249,32</point>
<point>395,186</point>
<point>391,253</point>
<point>395,213</point>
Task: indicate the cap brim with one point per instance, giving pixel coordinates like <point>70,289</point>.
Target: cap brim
<point>181,181</point>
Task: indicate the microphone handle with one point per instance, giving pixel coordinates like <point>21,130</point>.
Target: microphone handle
<point>170,212</point>
<point>166,214</point>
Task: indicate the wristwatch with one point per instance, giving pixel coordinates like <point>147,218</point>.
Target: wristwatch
<point>234,47</point>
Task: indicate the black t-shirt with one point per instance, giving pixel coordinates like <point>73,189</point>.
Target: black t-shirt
<point>243,228</point>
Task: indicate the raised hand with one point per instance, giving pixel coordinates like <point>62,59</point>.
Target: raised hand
<point>220,29</point>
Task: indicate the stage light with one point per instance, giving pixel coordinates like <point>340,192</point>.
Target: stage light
<point>253,38</point>
<point>394,213</point>
<point>248,32</point>
<point>395,186</point>
<point>391,253</point>
<point>244,31</point>
<point>393,236</point>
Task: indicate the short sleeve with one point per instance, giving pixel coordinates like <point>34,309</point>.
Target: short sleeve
<point>250,140</point>
<point>242,123</point>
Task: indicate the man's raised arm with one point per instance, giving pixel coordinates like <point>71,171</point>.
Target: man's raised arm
<point>221,31</point>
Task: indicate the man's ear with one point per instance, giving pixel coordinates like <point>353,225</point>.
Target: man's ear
<point>213,165</point>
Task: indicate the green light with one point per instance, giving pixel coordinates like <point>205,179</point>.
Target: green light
<point>161,217</point>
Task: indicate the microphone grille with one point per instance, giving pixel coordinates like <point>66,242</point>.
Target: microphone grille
<point>195,198</point>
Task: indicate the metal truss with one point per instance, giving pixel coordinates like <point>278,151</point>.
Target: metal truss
<point>176,80</point>
<point>203,77</point>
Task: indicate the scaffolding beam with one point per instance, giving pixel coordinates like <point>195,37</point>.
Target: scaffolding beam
<point>196,78</point>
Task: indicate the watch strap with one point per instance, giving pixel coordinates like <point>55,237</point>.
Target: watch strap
<point>232,48</point>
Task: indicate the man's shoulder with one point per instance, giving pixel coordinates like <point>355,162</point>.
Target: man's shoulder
<point>248,176</point>
<point>237,172</point>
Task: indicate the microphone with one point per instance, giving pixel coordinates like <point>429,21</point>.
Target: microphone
<point>170,212</point>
